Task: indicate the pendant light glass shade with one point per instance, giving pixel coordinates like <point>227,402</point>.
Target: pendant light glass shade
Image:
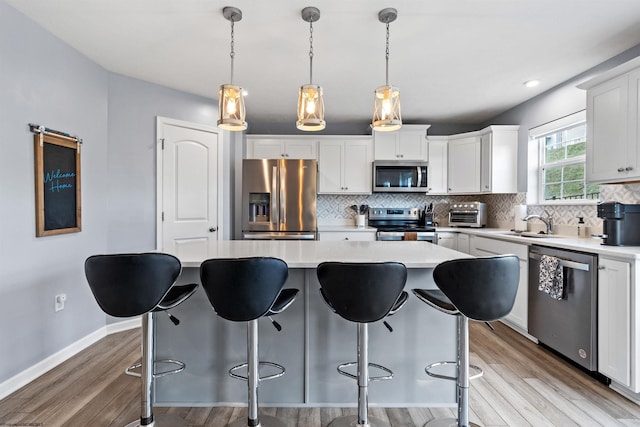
<point>231,111</point>
<point>231,107</point>
<point>310,108</point>
<point>386,109</point>
<point>386,102</point>
<point>310,102</point>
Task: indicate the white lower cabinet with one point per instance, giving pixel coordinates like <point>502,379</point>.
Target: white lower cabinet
<point>448,240</point>
<point>481,246</point>
<point>615,321</point>
<point>356,236</point>
<point>463,243</point>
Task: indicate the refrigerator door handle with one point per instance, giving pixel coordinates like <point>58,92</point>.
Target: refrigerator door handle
<point>283,198</point>
<point>274,196</point>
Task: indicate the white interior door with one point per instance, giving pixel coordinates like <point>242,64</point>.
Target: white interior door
<point>188,191</point>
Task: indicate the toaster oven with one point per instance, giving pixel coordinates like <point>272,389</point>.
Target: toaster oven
<point>468,214</point>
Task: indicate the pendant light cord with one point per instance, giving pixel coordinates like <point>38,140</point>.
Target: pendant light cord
<point>232,54</point>
<point>310,52</point>
<point>387,54</point>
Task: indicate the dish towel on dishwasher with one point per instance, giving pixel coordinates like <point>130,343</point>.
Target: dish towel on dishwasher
<point>410,235</point>
<point>551,276</point>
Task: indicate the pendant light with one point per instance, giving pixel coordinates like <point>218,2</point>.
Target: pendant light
<point>230,97</point>
<point>310,102</point>
<point>386,107</point>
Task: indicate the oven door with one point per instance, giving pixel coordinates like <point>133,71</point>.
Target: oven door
<point>423,236</point>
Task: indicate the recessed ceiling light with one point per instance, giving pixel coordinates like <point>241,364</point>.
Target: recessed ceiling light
<point>532,83</point>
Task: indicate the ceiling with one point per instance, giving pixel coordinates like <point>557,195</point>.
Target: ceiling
<point>460,61</point>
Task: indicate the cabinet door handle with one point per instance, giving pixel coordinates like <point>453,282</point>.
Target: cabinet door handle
<point>620,169</point>
<point>212,229</point>
<point>346,238</point>
<point>602,267</point>
<point>628,168</point>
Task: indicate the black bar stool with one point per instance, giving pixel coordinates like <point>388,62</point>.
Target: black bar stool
<point>244,290</point>
<point>363,293</point>
<point>481,289</point>
<point>128,285</point>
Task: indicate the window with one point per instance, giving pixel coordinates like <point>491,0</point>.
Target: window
<point>562,146</point>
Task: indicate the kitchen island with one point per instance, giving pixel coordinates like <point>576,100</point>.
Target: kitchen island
<point>313,340</point>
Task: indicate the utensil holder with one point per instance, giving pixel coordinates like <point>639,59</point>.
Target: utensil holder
<point>360,221</point>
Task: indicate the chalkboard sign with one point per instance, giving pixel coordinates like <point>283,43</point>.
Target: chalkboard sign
<point>57,177</point>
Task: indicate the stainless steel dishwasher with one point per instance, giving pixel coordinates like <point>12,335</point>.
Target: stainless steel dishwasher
<point>568,325</point>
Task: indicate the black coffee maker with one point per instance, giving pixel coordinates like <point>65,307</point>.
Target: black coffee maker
<point>620,224</point>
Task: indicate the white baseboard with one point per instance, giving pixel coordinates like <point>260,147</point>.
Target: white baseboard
<point>634,397</point>
<point>25,377</point>
<point>124,325</point>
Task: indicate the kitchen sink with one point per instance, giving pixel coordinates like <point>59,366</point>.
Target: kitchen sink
<point>526,234</point>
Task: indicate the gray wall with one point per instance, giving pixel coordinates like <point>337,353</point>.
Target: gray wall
<point>560,101</point>
<point>133,107</point>
<point>44,81</point>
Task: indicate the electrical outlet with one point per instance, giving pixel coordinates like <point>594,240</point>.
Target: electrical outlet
<point>59,301</point>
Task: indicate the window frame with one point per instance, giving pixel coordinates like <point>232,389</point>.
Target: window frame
<point>535,134</point>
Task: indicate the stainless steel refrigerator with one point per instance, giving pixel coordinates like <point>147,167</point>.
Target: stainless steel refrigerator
<point>279,199</point>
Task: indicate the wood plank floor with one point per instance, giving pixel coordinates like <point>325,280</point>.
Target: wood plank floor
<point>523,385</point>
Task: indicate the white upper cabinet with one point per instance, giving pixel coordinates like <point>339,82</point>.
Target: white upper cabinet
<point>464,164</point>
<point>612,125</point>
<point>438,162</point>
<point>499,159</point>
<point>408,143</point>
<point>344,165</point>
<point>276,147</point>
<point>484,162</point>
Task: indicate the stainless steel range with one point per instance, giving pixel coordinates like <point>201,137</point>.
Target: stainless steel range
<point>402,224</point>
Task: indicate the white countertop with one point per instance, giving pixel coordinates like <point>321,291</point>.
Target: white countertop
<point>343,228</point>
<point>308,254</point>
<point>588,244</point>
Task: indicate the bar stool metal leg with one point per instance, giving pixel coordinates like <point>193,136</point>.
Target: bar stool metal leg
<point>253,379</point>
<point>362,419</point>
<point>147,418</point>
<point>462,382</point>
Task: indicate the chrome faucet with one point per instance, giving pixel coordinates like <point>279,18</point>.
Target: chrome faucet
<point>548,220</point>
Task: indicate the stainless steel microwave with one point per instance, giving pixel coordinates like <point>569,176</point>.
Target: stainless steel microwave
<point>399,176</point>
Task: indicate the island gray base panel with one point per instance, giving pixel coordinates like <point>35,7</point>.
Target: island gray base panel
<point>312,343</point>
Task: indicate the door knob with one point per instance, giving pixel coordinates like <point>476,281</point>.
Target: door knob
<point>213,229</point>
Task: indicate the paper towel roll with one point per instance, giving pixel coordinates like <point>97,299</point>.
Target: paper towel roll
<point>519,212</point>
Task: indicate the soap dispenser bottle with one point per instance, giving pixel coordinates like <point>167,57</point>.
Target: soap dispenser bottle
<point>582,231</point>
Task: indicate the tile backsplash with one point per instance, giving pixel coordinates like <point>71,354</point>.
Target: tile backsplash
<point>499,206</point>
